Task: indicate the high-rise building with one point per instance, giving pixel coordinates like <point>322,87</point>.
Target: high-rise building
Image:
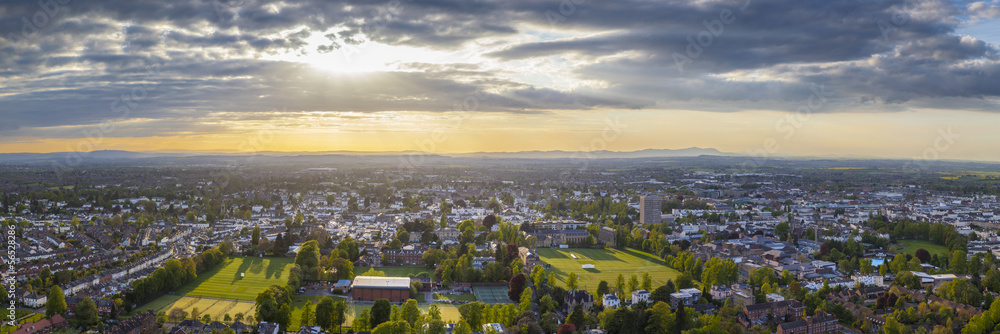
<point>649,209</point>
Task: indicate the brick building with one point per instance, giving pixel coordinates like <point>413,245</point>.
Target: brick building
<point>409,257</point>
<point>370,288</point>
<point>820,323</point>
<point>786,310</point>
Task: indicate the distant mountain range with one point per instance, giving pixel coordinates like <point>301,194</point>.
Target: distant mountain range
<point>360,158</point>
<point>115,155</point>
<point>602,154</point>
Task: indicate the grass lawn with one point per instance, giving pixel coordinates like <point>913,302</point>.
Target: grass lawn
<point>466,297</point>
<point>911,247</point>
<point>216,308</point>
<point>397,271</point>
<point>224,281</point>
<point>608,263</point>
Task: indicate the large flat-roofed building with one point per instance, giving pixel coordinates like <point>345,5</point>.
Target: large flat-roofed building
<point>369,288</point>
<point>606,235</point>
<point>649,209</point>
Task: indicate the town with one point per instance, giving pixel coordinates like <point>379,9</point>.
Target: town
<point>804,247</point>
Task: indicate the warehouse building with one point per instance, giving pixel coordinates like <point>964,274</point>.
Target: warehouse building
<point>370,288</point>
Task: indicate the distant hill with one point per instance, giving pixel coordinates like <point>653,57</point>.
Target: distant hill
<point>603,154</point>
<point>115,155</point>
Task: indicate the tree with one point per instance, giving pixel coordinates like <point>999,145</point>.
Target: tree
<point>960,291</point>
<point>307,314</point>
<point>410,312</point>
<point>392,327</point>
<point>489,221</point>
<point>339,314</point>
<point>680,319</point>
<point>434,312</point>
<point>324,313</point>
<point>958,261</point>
<point>308,255</point>
<point>603,289</point>
<point>86,313</point>
<point>687,282</point>
<point>578,318</point>
<point>923,255</point>
<point>362,321</point>
<point>351,247</point>
<point>343,267</point>
<point>462,327</point>
<point>572,281</point>
<point>662,293</point>
<point>56,302</point>
<point>661,319</point>
<point>525,302</point>
<point>782,230</point>
<point>621,320</point>
<point>647,282</point>
<point>620,284</point>
<point>195,313</point>
<point>633,283</point>
<point>255,239</point>
<point>472,313</point>
<point>516,286</point>
<point>566,329</point>
<point>177,314</point>
<point>381,310</point>
<point>274,305</point>
<point>206,318</point>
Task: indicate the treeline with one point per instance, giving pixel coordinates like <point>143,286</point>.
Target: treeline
<point>451,269</point>
<point>174,274</point>
<point>938,233</point>
<point>715,271</point>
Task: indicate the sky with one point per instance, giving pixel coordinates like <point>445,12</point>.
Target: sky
<point>854,78</point>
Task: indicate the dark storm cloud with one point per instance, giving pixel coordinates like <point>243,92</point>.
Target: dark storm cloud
<point>72,68</point>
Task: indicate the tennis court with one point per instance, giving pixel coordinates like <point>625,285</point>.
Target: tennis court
<point>491,294</point>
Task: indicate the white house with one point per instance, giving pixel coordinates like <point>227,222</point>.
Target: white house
<point>640,296</point>
<point>611,300</point>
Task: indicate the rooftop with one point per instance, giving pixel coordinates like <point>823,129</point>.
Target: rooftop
<point>382,282</point>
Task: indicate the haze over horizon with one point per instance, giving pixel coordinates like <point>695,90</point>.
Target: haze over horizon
<point>892,79</point>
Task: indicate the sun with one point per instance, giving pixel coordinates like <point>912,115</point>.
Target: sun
<point>368,57</point>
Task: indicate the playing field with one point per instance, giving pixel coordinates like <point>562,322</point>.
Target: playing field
<point>608,263</point>
<point>911,247</point>
<point>216,308</point>
<point>491,294</point>
<point>224,281</point>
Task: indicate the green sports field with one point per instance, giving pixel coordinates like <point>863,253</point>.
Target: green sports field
<point>608,263</point>
<point>911,247</point>
<point>221,290</point>
<point>224,281</point>
<point>216,308</point>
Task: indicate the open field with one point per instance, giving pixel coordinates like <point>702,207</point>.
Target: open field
<point>608,263</point>
<point>911,247</point>
<point>224,282</point>
<point>397,271</point>
<point>216,308</point>
<point>222,291</point>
